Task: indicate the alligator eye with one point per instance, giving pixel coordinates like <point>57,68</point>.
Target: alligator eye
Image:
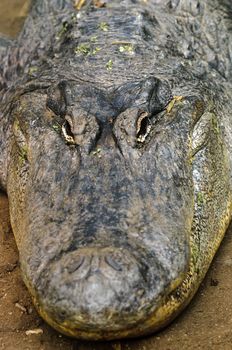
<point>67,132</point>
<point>143,127</point>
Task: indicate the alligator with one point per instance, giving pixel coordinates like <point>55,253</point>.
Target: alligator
<point>116,156</point>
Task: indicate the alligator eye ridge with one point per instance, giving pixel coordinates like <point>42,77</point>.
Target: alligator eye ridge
<point>143,127</point>
<point>67,133</point>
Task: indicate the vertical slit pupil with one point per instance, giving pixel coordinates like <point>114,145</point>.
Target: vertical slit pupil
<point>68,129</point>
<point>143,127</point>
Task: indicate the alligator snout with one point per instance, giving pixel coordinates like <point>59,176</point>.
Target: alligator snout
<point>96,288</point>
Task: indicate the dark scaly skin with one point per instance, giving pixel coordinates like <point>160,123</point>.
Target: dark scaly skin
<point>117,224</point>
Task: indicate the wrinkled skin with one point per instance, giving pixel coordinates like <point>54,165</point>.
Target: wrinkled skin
<point>116,137</point>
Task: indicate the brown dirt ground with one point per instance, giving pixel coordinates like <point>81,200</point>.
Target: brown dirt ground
<point>205,324</point>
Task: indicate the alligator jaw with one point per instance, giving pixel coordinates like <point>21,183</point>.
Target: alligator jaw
<point>109,325</point>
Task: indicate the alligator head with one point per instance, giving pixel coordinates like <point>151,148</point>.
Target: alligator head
<point>102,200</point>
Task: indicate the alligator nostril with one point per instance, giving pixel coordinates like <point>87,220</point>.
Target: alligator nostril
<point>112,263</point>
<point>75,265</point>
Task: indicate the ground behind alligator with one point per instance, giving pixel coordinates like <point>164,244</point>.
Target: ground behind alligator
<point>205,324</point>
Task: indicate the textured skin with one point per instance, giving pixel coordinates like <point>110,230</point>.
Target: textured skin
<point>117,214</point>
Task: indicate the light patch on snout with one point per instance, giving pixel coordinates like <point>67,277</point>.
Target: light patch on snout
<point>202,130</point>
